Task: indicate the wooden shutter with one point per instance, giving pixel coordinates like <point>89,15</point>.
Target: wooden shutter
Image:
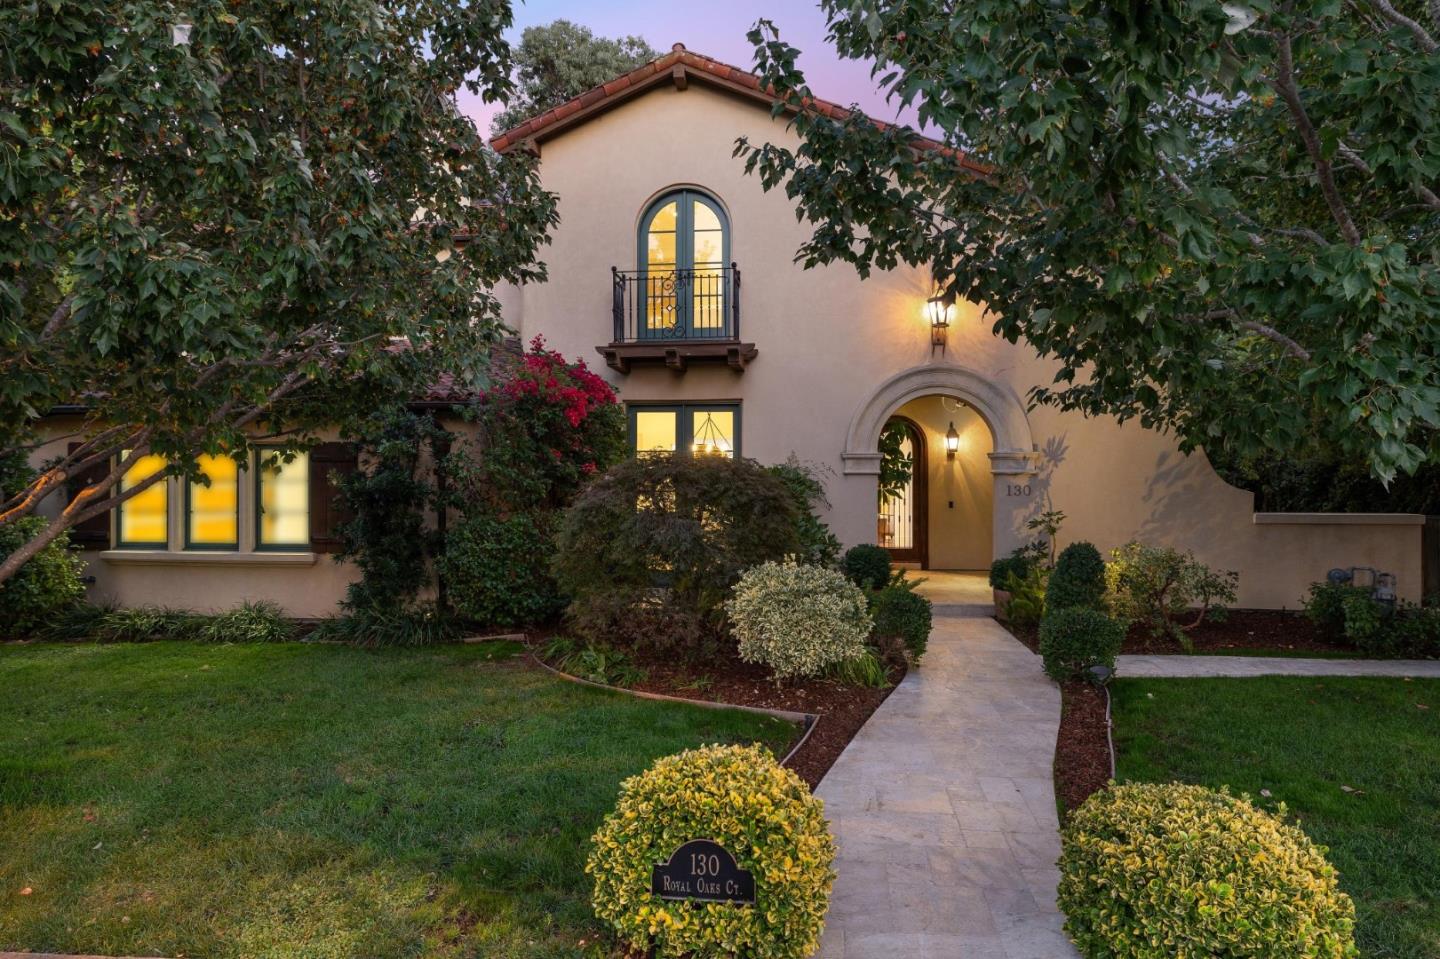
<point>93,533</point>
<point>330,463</point>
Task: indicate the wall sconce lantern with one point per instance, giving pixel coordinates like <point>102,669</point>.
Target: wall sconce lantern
<point>938,310</point>
<point>952,442</point>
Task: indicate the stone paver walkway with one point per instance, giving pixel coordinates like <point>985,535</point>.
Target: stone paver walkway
<point>943,805</point>
<point>1187,667</point>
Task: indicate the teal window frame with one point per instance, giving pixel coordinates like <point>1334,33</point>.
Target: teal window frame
<point>117,520</point>
<point>684,434</point>
<point>684,200</point>
<point>214,547</point>
<point>260,545</point>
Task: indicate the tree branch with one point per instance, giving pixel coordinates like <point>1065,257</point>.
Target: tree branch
<point>1284,84</point>
<point>1422,36</point>
<point>1290,346</point>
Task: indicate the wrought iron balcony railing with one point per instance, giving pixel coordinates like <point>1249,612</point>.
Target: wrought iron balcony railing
<point>693,305</point>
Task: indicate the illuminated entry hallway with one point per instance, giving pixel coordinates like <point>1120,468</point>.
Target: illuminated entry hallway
<point>943,518</point>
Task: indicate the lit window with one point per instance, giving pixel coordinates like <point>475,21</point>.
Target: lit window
<point>710,430</point>
<point>212,517</point>
<point>284,502</point>
<point>685,245</point>
<point>656,431</point>
<point>143,519</point>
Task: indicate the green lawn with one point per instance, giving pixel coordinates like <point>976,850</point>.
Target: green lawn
<point>299,800</point>
<point>1303,739</point>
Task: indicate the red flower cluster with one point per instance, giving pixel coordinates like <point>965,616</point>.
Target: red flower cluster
<point>547,375</point>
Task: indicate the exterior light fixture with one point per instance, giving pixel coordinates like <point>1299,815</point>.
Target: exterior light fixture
<point>938,309</point>
<point>952,442</point>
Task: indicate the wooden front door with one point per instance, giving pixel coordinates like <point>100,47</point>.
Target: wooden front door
<point>903,520</point>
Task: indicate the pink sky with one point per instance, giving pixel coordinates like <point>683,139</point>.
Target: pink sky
<point>714,29</point>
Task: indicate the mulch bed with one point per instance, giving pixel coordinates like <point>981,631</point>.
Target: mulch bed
<point>1267,629</point>
<point>842,709</point>
<point>1082,749</point>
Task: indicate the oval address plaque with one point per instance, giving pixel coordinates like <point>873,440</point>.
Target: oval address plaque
<point>702,870</point>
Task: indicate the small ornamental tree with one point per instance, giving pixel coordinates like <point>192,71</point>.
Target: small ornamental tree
<point>544,429</point>
<point>389,499</point>
<point>546,426</point>
<point>649,551</point>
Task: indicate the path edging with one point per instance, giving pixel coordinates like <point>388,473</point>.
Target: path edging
<point>807,721</point>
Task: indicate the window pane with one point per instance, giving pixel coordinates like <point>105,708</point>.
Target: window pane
<point>214,517</point>
<point>705,218</point>
<point>285,502</point>
<point>144,519</point>
<point>655,431</point>
<point>664,218</point>
<point>660,250</point>
<point>713,432</point>
<point>709,248</point>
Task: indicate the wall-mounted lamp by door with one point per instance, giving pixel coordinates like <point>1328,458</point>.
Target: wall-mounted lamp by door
<point>952,442</point>
<point>938,310</point>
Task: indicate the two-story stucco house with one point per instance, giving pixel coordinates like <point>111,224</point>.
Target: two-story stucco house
<point>677,268</point>
<point>674,271</point>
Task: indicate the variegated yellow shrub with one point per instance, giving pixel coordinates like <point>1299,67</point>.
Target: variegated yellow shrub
<point>1184,872</point>
<point>797,619</point>
<point>762,813</point>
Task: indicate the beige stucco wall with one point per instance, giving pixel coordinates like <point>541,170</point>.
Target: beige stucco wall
<point>828,342</point>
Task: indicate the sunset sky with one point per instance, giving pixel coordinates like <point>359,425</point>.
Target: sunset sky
<point>714,29</point>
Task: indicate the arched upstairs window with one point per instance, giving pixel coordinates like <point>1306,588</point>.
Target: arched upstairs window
<point>684,254</point>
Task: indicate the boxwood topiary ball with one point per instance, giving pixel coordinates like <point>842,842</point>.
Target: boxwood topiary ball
<point>867,566</point>
<point>1162,870</point>
<point>762,813</point>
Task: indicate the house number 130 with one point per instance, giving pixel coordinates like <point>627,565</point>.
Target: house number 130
<point>1012,489</point>
<point>704,865</point>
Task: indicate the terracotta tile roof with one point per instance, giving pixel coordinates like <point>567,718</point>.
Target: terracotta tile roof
<point>677,66</point>
<point>446,390</point>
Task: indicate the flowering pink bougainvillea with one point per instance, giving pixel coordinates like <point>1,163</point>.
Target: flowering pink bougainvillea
<point>547,425</point>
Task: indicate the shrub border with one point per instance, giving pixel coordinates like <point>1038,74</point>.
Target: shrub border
<point>807,721</point>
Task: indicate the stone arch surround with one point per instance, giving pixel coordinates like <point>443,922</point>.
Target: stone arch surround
<point>1014,447</point>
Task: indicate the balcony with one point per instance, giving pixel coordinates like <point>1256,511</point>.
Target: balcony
<point>676,317</point>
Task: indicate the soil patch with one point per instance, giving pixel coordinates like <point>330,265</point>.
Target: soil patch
<point>1082,749</point>
<point>1272,630</point>
<point>842,709</point>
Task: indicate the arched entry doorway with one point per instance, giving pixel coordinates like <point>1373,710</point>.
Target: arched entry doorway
<point>949,499</point>
<point>902,525</point>
<point>990,421</point>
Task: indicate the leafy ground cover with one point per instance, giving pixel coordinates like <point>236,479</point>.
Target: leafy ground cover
<point>1356,760</point>
<point>311,800</point>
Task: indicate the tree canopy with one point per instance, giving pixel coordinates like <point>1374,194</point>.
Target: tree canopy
<point>1221,219</point>
<point>236,217</point>
<point>561,60</point>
